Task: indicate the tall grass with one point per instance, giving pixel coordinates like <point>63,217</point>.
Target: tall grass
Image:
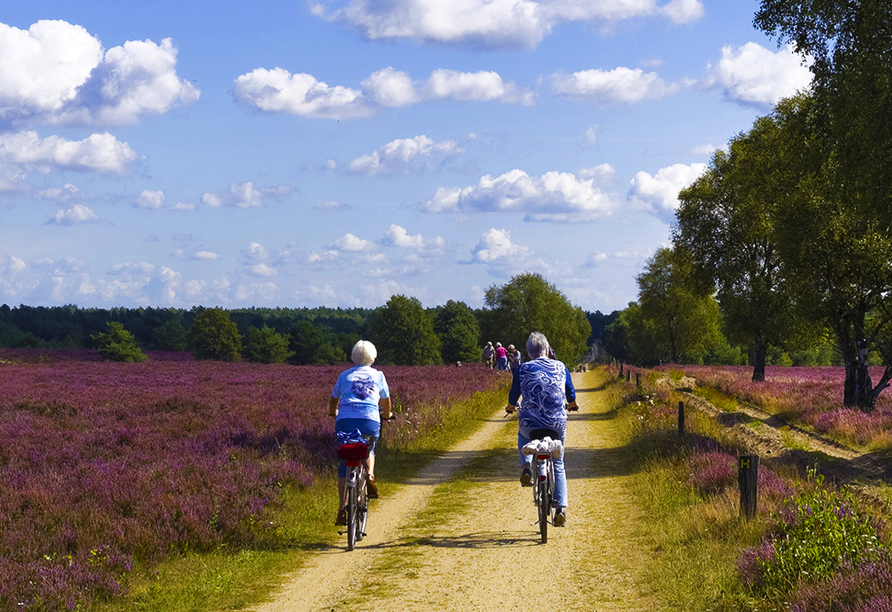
<point>809,543</point>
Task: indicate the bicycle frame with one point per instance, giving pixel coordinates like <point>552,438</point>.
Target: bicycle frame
<point>543,491</point>
<point>357,495</point>
<point>540,447</point>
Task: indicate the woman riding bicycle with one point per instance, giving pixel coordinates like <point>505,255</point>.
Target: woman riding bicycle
<point>359,398</point>
<point>548,393</point>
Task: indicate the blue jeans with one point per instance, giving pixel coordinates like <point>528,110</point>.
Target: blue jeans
<point>368,427</point>
<point>560,476</point>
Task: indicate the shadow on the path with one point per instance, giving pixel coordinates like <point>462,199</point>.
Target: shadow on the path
<point>478,540</point>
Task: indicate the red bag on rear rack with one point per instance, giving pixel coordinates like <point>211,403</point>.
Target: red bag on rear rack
<point>353,450</point>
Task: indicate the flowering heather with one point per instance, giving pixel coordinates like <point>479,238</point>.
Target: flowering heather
<point>822,537</point>
<point>808,395</point>
<point>108,464</point>
<point>867,588</point>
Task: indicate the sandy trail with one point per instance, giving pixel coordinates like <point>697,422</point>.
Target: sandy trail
<point>462,535</point>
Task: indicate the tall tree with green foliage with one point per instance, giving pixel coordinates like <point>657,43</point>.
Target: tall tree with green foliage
<point>404,334</point>
<point>839,238</point>
<point>727,223</point>
<point>213,335</point>
<point>265,345</point>
<point>118,344</point>
<point>672,322</point>
<point>459,332</point>
<point>529,303</point>
<point>171,336</point>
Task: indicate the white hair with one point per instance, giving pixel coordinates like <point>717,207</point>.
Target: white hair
<point>364,353</point>
<point>537,345</point>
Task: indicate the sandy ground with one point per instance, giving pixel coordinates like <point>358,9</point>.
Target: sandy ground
<point>472,543</point>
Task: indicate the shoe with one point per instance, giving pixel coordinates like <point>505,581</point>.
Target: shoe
<point>526,476</point>
<point>371,488</point>
<point>560,517</point>
<point>342,517</point>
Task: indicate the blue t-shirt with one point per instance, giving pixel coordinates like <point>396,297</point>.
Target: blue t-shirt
<point>546,388</point>
<point>359,390</point>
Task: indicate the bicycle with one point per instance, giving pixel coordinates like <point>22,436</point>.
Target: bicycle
<point>354,451</point>
<point>353,448</point>
<point>544,444</point>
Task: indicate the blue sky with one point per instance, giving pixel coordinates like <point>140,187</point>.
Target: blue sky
<point>287,153</point>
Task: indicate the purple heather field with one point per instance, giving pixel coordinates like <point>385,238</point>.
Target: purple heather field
<point>105,465</point>
<point>808,395</point>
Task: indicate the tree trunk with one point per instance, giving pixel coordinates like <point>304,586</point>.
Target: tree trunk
<point>760,352</point>
<point>858,390</point>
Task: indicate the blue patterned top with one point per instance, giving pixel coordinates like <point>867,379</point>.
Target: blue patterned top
<point>359,390</point>
<point>546,388</point>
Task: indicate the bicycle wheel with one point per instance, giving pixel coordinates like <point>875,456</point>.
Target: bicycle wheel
<point>362,504</point>
<point>544,508</point>
<point>352,516</point>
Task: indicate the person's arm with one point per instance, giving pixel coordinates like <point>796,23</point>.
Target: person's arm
<point>514,393</point>
<point>385,408</point>
<point>333,406</point>
<point>570,392</point>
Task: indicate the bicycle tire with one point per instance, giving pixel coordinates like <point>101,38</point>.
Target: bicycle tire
<point>544,510</point>
<point>362,504</point>
<point>352,515</point>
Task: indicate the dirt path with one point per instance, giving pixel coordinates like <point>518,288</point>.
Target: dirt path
<point>461,536</point>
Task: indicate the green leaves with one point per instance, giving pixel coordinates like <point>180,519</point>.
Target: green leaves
<point>118,344</point>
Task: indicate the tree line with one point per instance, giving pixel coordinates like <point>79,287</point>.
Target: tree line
<point>785,242</point>
<point>404,332</point>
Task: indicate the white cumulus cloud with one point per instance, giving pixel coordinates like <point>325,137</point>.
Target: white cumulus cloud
<point>399,236</point>
<point>483,86</point>
<point>555,196</point>
<point>496,247</point>
<point>150,199</point>
<point>73,216</point>
<point>659,193</point>
<point>492,23</point>
<point>96,153</point>
<point>399,155</point>
<point>58,73</point>
<point>244,195</point>
<point>391,88</point>
<point>279,91</point>
<point>352,243</point>
<point>612,86</point>
<point>754,75</point>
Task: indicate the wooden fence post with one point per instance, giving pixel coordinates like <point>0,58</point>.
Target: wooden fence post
<point>628,375</point>
<point>637,379</point>
<point>620,369</point>
<point>680,418</point>
<point>748,479</point>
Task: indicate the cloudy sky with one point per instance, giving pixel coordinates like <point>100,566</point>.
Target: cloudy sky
<point>334,153</point>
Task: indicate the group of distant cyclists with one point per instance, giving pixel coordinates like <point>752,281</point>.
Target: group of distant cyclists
<point>361,397</point>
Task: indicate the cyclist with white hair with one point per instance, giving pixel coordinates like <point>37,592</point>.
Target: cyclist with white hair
<point>548,394</point>
<point>359,398</point>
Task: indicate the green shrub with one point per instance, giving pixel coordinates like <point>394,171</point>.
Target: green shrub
<point>822,531</point>
<point>118,344</point>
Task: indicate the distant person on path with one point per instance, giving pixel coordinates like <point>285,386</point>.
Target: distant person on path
<point>359,398</point>
<point>489,355</point>
<point>501,357</point>
<point>514,357</point>
<point>548,393</point>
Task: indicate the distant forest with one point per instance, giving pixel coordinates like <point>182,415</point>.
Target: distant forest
<point>71,327</point>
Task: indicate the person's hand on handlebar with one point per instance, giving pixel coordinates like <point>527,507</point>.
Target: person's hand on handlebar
<point>509,409</point>
<point>572,406</point>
